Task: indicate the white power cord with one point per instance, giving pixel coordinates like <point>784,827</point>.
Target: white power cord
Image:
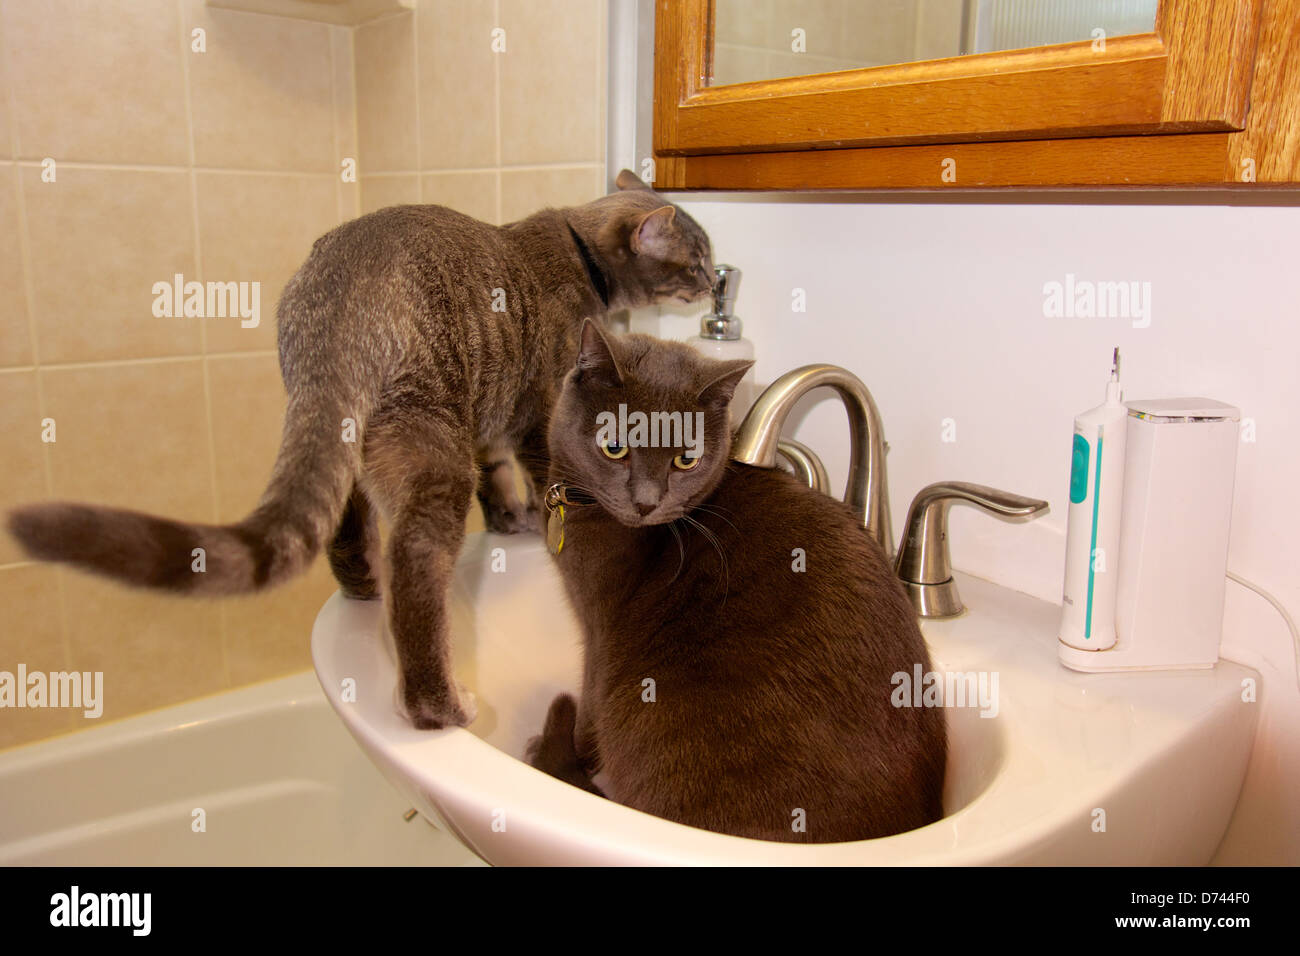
<point>1295,634</point>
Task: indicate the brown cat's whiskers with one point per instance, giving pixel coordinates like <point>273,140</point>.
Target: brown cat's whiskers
<point>681,551</point>
<point>712,538</point>
<point>717,512</point>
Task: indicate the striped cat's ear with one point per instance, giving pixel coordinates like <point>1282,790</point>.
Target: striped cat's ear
<point>655,233</point>
<point>596,363</point>
<point>627,179</point>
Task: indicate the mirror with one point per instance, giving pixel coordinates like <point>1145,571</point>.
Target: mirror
<point>771,39</point>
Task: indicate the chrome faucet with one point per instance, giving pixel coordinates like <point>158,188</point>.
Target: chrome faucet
<point>758,441</point>
<point>922,562</point>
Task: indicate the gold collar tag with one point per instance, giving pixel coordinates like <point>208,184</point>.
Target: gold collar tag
<point>555,501</point>
<point>555,530</point>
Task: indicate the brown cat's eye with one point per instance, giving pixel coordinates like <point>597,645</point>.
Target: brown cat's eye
<point>684,463</point>
<point>612,450</point>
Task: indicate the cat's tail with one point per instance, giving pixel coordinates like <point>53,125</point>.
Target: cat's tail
<point>554,751</point>
<point>298,513</point>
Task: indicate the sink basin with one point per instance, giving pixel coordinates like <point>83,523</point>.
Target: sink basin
<point>1158,758</point>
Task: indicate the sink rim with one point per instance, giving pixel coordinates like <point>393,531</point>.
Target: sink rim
<point>458,772</point>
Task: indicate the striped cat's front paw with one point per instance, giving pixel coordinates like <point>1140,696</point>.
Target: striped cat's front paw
<point>520,520</point>
<point>456,708</point>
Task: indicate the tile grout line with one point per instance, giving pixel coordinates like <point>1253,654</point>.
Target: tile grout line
<point>147,360</point>
<point>164,168</point>
<point>509,168</point>
<point>203,329</point>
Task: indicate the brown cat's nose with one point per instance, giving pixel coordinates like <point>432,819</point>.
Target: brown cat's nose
<point>646,509</point>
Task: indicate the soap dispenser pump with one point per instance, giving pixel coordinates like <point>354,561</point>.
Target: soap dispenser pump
<point>720,335</point>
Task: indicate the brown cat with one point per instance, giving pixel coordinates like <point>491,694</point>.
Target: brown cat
<point>419,347</point>
<point>740,630</point>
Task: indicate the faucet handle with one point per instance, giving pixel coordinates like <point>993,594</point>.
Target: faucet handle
<point>923,562</point>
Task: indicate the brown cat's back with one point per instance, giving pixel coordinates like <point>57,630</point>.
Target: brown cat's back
<point>772,700</point>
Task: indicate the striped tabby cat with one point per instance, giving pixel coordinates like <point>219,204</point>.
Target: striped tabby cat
<point>439,342</point>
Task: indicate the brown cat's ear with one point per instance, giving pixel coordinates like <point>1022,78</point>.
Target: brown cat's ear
<point>655,233</point>
<point>595,361</point>
<point>720,389</point>
<point>627,179</point>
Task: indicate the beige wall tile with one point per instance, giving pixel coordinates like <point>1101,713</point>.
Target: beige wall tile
<point>99,240</point>
<point>550,81</point>
<point>15,331</point>
<point>349,201</point>
<point>132,436</point>
<point>380,191</point>
<point>248,403</point>
<point>345,92</point>
<point>474,194</point>
<point>155,649</point>
<point>345,121</point>
<point>6,129</point>
<point>263,92</point>
<point>97,81</point>
<point>22,479</point>
<point>386,121</point>
<point>524,192</point>
<point>32,634</point>
<point>268,635</point>
<point>259,228</point>
<point>457,89</point>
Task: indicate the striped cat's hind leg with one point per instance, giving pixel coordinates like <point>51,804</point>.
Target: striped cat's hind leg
<point>354,554</point>
<point>421,470</point>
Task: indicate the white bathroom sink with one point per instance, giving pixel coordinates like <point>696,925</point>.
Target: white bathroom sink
<point>1157,759</point>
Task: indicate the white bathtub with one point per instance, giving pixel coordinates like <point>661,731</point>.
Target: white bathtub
<point>279,779</point>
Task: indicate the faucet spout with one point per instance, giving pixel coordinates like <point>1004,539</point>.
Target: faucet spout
<point>867,490</point>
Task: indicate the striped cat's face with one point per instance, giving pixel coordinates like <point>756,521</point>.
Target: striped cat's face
<point>657,252</point>
<point>671,258</point>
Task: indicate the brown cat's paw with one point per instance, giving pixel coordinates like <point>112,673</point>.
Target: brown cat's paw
<point>552,751</point>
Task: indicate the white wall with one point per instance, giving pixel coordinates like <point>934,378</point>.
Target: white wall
<point>938,306</point>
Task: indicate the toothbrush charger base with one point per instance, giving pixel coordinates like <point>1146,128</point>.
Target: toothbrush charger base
<point>1119,658</point>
